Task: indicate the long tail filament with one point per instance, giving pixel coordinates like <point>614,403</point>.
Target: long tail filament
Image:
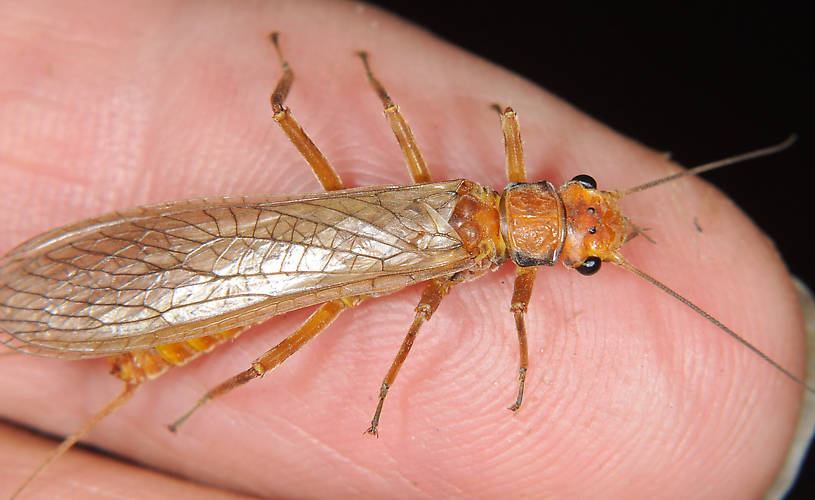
<point>71,440</point>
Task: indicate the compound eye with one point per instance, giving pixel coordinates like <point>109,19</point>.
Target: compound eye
<point>589,266</point>
<point>586,181</point>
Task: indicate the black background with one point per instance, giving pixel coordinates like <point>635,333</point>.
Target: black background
<point>703,82</point>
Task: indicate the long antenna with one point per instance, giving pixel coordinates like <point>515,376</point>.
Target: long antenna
<point>701,312</point>
<point>713,165</point>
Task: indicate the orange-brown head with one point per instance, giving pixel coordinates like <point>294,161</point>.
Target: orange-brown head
<point>596,229</point>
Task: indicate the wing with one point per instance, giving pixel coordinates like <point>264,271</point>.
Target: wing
<point>164,273</point>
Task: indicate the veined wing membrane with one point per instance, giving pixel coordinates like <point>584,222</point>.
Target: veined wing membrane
<point>164,273</point>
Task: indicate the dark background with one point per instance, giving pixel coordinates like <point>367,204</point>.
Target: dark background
<point>703,82</point>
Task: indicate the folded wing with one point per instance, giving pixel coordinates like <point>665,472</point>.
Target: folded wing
<point>164,273</point>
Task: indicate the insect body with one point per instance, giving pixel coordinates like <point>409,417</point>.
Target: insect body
<point>157,286</point>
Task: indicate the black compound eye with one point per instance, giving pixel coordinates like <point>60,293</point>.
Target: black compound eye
<point>589,266</point>
<point>586,181</point>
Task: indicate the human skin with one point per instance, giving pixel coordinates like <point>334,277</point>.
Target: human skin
<point>629,393</point>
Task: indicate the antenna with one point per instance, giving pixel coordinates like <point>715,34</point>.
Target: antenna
<point>620,261</point>
<point>711,166</point>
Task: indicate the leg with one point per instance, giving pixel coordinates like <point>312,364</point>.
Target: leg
<point>513,146</point>
<point>524,276</point>
<point>435,290</point>
<point>328,177</point>
<point>415,162</point>
<point>524,280</point>
<point>271,359</point>
<point>431,297</point>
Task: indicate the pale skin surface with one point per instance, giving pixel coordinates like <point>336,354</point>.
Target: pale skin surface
<point>628,395</point>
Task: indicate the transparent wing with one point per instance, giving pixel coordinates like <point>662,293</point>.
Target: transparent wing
<point>164,273</point>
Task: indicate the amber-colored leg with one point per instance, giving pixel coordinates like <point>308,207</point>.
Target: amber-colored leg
<point>524,276</point>
<point>436,289</point>
<point>71,440</point>
<point>271,359</point>
<point>524,280</point>
<point>513,146</point>
<point>431,297</point>
<point>413,157</point>
<point>323,170</point>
